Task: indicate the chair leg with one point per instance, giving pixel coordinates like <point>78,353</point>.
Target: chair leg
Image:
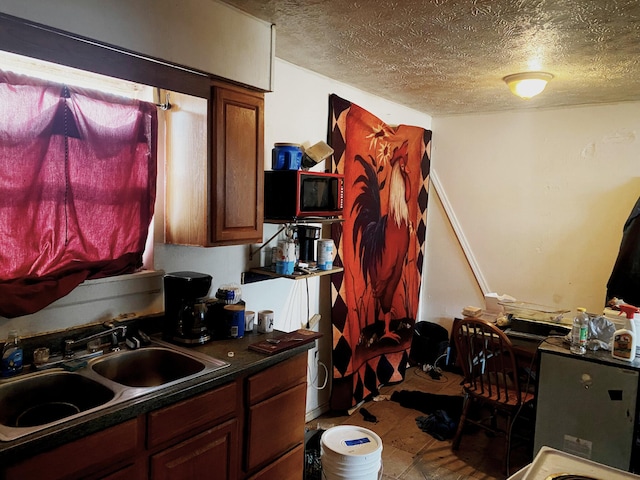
<point>456,439</point>
<point>494,420</point>
<point>507,455</point>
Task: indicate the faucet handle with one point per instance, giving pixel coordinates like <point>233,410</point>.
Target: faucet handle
<point>68,348</point>
<point>115,341</point>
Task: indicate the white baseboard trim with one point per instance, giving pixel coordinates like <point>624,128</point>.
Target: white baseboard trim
<point>316,412</point>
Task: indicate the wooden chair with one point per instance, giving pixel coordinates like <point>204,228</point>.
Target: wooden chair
<point>490,371</point>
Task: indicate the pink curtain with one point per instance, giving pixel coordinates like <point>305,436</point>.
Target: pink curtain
<point>77,188</point>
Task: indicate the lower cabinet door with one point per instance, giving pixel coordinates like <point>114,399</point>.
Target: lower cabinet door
<point>213,454</point>
<point>287,467</point>
<point>85,457</point>
<point>275,426</point>
<point>137,471</point>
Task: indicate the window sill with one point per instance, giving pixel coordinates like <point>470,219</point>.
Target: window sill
<point>96,301</point>
<point>129,276</point>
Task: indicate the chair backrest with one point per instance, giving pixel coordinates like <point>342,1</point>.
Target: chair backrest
<point>486,357</point>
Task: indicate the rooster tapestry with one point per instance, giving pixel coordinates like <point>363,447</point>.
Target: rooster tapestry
<point>381,247</point>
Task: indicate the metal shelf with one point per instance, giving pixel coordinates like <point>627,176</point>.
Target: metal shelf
<point>263,273</point>
<point>288,224</point>
<point>303,220</point>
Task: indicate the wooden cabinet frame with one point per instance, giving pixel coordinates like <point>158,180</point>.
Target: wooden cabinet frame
<point>237,173</point>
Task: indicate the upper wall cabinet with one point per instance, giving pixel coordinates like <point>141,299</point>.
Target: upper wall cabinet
<point>238,165</point>
<point>207,36</point>
<point>217,198</point>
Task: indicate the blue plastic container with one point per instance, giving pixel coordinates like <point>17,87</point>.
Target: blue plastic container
<point>286,156</point>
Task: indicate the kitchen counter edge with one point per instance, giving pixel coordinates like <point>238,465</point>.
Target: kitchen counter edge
<point>243,362</point>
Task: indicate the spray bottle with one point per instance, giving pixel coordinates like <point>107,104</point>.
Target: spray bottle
<point>624,340</point>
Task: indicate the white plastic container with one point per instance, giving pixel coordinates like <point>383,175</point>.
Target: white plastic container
<point>325,254</point>
<point>285,257</point>
<point>350,452</point>
<point>623,344</point>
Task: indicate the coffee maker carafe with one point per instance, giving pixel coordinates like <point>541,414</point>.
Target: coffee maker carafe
<point>185,307</point>
<point>307,236</point>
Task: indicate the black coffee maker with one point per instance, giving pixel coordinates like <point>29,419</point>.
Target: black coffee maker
<point>185,307</point>
<point>307,236</point>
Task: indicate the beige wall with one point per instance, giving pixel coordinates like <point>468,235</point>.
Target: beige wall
<point>541,198</point>
<point>296,111</point>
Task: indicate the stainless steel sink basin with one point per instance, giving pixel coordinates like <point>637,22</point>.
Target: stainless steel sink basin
<point>48,397</point>
<point>147,367</point>
<point>36,401</point>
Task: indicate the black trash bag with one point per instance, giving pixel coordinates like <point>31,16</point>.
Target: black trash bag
<point>430,342</point>
<point>312,458</point>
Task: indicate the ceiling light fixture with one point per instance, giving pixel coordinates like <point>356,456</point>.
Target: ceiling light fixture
<point>527,84</point>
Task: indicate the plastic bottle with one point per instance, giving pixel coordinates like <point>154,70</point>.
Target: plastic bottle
<point>580,332</point>
<point>11,355</point>
<point>624,341</point>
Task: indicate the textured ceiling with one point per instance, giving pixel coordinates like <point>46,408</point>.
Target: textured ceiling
<point>446,57</point>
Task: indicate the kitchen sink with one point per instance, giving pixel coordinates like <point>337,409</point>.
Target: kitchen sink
<point>147,367</point>
<point>48,397</point>
<point>35,401</point>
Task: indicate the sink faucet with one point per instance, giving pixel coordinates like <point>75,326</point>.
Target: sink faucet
<point>112,332</point>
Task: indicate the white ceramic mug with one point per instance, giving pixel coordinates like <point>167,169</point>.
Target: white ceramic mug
<point>249,317</point>
<point>265,321</point>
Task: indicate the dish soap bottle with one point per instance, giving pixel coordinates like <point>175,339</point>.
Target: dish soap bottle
<point>624,339</point>
<point>11,355</point>
<point>580,332</point>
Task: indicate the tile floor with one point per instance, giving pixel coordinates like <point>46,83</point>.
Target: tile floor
<point>409,453</point>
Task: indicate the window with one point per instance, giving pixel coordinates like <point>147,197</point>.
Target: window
<point>77,188</point>
<point>50,45</point>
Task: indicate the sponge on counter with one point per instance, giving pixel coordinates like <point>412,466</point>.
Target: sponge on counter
<point>471,311</point>
<point>73,365</point>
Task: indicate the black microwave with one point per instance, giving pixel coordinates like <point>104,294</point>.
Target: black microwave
<point>291,194</point>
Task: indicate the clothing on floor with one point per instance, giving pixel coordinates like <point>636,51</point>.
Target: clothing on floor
<point>439,425</point>
<point>430,402</point>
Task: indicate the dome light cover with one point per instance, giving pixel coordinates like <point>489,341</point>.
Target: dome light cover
<point>527,84</point>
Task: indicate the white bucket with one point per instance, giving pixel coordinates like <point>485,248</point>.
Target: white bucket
<point>325,254</point>
<point>348,452</point>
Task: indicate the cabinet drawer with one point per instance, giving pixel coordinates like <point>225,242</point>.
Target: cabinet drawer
<point>277,379</point>
<point>275,426</point>
<point>287,467</point>
<point>82,457</point>
<point>212,453</point>
<point>137,471</point>
<point>189,415</point>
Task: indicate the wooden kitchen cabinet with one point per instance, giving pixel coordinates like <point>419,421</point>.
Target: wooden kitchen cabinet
<point>252,427</point>
<point>207,431</point>
<point>287,467</point>
<point>183,419</point>
<point>109,453</point>
<point>211,454</point>
<point>238,165</point>
<point>275,417</point>
<point>216,197</point>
